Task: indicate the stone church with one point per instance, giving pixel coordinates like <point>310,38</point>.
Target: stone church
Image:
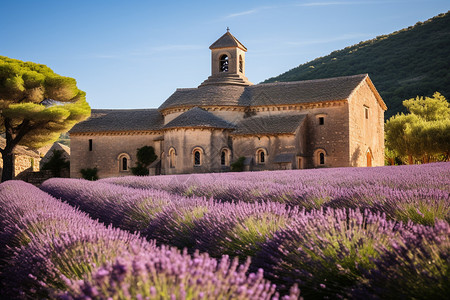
<point>334,122</point>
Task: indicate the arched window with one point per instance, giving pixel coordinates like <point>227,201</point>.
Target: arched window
<point>172,154</point>
<point>223,63</point>
<point>225,157</point>
<point>124,162</point>
<point>197,158</point>
<point>261,156</point>
<point>319,157</point>
<point>241,64</point>
<point>197,155</point>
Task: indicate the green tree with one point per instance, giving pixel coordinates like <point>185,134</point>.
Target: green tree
<point>423,134</point>
<point>56,163</point>
<point>145,156</point>
<point>36,106</point>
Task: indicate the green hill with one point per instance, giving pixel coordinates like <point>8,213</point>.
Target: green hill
<point>410,62</point>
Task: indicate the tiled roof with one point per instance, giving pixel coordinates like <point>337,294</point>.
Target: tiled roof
<point>319,90</point>
<point>270,124</point>
<point>120,120</point>
<point>284,158</point>
<point>278,93</point>
<point>208,95</point>
<point>227,40</point>
<point>22,150</point>
<point>198,117</point>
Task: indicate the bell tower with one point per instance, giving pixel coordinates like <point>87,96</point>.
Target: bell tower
<point>227,62</point>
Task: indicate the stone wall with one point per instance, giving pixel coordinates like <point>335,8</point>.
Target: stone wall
<point>272,144</point>
<point>23,163</point>
<point>332,136</point>
<point>366,134</point>
<point>106,150</point>
<point>185,140</point>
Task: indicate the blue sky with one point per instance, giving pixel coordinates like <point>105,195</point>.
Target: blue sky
<point>134,54</point>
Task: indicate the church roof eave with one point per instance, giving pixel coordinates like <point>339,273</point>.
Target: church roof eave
<point>227,41</point>
<point>198,118</point>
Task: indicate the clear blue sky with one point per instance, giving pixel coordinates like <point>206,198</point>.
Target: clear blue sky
<point>134,54</point>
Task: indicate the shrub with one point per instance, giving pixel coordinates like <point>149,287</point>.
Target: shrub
<point>89,174</point>
<point>145,156</point>
<point>56,163</point>
<point>238,166</point>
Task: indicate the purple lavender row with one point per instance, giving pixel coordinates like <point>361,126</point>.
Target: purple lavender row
<point>420,193</point>
<point>435,175</point>
<point>52,250</point>
<point>327,252</point>
<point>348,254</point>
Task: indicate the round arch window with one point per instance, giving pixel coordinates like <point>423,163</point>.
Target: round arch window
<point>223,67</point>
<point>261,156</point>
<point>124,162</point>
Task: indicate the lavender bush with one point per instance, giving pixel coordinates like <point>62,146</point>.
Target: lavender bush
<point>325,251</point>
<point>60,252</point>
<point>128,208</point>
<point>420,193</point>
<point>162,275</point>
<point>416,266</point>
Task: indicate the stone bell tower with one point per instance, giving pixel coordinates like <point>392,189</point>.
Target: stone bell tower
<point>227,62</point>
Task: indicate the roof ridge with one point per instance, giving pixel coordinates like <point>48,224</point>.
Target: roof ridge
<point>363,75</point>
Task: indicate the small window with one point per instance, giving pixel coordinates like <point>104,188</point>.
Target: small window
<point>321,120</point>
<point>261,156</point>
<point>172,158</point>
<point>90,145</point>
<point>223,63</point>
<point>197,158</point>
<point>223,157</point>
<point>366,112</point>
<point>321,158</point>
<point>124,164</point>
<point>241,64</point>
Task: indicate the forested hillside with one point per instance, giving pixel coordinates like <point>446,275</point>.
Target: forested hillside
<point>410,62</point>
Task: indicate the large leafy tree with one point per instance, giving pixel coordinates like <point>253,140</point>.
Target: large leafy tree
<point>36,106</point>
<point>424,133</point>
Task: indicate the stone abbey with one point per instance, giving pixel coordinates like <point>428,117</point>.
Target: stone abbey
<point>334,122</point>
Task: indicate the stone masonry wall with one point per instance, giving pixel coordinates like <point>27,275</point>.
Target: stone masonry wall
<point>184,140</point>
<point>273,144</point>
<point>366,134</point>
<point>105,152</point>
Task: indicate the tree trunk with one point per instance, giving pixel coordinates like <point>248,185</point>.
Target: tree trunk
<point>410,160</point>
<point>8,166</point>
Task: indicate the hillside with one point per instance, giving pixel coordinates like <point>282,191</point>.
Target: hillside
<point>410,62</point>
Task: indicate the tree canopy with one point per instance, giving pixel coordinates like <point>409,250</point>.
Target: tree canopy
<point>422,135</point>
<point>145,156</point>
<point>36,106</point>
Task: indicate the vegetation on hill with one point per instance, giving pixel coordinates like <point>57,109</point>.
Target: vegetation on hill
<point>410,62</point>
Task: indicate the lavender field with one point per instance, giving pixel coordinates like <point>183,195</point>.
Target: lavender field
<point>333,233</point>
